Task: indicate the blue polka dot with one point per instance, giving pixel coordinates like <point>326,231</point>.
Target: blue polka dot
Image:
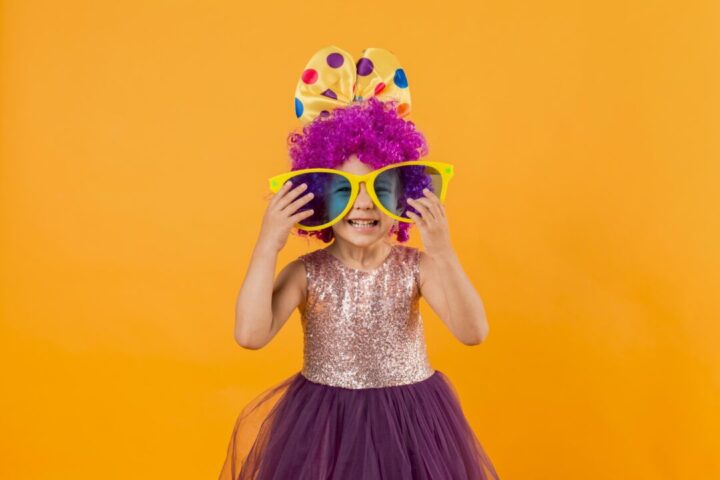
<point>299,108</point>
<point>400,78</point>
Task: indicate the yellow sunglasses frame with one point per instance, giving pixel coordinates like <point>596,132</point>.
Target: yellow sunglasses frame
<point>446,173</point>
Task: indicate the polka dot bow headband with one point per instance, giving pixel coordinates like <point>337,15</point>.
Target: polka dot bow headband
<point>332,79</point>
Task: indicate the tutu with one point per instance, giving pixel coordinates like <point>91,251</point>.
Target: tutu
<point>367,404</point>
<point>309,431</point>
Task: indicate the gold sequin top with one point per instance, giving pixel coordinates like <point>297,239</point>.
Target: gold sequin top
<point>362,328</point>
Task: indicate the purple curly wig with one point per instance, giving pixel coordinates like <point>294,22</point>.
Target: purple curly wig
<point>374,132</point>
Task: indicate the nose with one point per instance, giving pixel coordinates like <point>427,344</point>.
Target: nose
<point>363,200</point>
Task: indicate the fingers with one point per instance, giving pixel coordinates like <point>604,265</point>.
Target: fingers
<point>292,208</point>
<point>422,205</point>
<point>302,215</point>
<point>422,210</point>
<point>286,195</point>
<point>277,196</point>
<point>416,218</point>
<point>430,203</point>
<point>429,206</point>
<point>283,189</point>
<point>435,201</point>
<point>287,200</point>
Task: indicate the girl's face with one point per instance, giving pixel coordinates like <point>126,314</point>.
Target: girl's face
<point>363,208</point>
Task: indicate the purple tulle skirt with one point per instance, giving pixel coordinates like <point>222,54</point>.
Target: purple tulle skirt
<point>302,430</point>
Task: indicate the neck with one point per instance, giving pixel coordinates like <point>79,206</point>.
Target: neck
<point>365,256</point>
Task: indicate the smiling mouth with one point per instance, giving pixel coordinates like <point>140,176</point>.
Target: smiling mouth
<point>363,223</point>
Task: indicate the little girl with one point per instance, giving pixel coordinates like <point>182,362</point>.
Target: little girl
<point>367,404</point>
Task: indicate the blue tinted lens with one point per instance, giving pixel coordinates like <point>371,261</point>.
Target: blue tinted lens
<point>337,195</point>
<point>395,185</point>
<point>331,193</point>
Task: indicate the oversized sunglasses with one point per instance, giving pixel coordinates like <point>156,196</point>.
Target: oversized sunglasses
<point>389,187</point>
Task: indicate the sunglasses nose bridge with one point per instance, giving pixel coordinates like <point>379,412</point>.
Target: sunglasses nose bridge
<point>359,182</point>
<point>360,190</point>
<point>366,180</point>
<point>366,198</point>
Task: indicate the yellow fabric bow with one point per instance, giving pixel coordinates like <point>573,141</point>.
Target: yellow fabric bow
<point>333,79</point>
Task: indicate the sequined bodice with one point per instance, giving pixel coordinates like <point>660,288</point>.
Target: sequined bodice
<point>363,329</point>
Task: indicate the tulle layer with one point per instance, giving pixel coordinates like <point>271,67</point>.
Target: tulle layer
<point>302,430</point>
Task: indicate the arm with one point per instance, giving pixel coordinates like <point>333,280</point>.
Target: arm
<point>443,282</point>
<point>263,306</point>
<point>449,292</point>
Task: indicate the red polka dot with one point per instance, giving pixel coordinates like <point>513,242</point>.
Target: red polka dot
<point>379,88</point>
<point>309,76</point>
<point>403,108</point>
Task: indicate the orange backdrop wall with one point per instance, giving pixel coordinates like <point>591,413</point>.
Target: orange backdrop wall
<point>137,138</point>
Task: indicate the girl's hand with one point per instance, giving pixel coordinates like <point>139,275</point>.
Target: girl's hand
<point>281,215</point>
<point>433,224</point>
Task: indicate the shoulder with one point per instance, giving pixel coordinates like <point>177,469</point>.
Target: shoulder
<point>292,280</point>
<point>295,271</point>
<point>430,274</point>
<point>307,260</point>
<point>407,252</point>
<point>426,268</point>
<point>410,257</point>
<point>309,264</point>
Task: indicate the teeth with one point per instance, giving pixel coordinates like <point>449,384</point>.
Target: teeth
<point>363,223</point>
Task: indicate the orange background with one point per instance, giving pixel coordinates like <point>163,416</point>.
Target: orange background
<point>137,138</point>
